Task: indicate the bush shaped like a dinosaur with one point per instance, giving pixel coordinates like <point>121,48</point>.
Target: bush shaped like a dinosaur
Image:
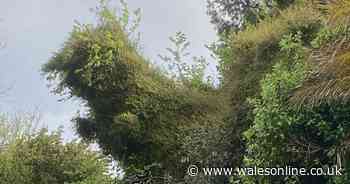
<point>142,117</point>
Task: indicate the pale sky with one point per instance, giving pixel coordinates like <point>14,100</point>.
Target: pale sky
<point>34,29</point>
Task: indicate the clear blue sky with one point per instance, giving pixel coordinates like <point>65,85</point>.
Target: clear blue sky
<point>34,29</point>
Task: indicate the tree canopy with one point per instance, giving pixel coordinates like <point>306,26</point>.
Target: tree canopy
<point>40,157</point>
<point>282,101</point>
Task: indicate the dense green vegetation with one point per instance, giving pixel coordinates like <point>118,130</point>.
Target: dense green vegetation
<point>45,159</point>
<point>29,154</point>
<point>136,113</point>
<point>282,100</point>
